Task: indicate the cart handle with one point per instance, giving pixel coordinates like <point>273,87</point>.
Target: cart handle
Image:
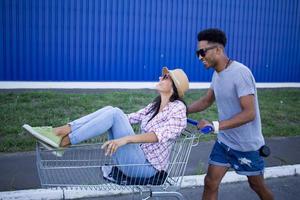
<point>205,130</point>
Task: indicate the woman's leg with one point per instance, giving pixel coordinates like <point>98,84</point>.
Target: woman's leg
<point>130,158</point>
<point>132,162</point>
<point>76,124</point>
<point>62,130</point>
<point>92,125</point>
<point>114,120</point>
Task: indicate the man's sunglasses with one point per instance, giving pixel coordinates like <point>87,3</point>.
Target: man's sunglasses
<point>202,52</point>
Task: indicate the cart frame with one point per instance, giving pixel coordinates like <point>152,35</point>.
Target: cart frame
<point>79,167</point>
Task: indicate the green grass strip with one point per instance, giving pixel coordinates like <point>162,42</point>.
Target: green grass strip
<point>279,109</point>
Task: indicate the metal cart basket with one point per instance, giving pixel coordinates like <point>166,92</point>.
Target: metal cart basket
<point>79,167</point>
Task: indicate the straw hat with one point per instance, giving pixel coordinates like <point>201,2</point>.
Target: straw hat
<point>179,78</point>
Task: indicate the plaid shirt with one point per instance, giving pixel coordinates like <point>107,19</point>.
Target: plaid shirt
<point>167,125</point>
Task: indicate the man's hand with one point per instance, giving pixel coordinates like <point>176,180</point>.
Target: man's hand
<point>112,145</point>
<point>205,126</point>
<point>202,123</point>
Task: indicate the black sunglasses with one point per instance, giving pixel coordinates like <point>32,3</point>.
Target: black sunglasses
<point>202,52</point>
<point>166,76</point>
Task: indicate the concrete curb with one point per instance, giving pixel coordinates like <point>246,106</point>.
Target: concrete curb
<point>34,194</point>
<point>188,181</point>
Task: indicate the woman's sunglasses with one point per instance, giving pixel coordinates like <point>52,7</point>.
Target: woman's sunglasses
<point>202,52</point>
<point>165,77</point>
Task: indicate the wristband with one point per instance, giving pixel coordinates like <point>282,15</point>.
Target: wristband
<point>216,126</point>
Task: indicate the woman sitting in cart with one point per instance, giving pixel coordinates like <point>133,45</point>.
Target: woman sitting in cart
<point>161,123</point>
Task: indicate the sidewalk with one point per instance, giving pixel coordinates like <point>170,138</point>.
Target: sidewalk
<point>18,170</point>
<point>282,188</point>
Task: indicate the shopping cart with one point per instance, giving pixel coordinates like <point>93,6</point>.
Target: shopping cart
<point>79,167</point>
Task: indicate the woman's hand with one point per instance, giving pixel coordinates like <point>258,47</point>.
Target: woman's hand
<point>112,145</point>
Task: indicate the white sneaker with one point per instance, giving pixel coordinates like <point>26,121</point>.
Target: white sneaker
<point>107,173</point>
<point>45,134</point>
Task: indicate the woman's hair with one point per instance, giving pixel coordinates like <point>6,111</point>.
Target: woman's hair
<point>156,102</point>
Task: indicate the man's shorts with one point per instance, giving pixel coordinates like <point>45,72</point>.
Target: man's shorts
<point>248,163</point>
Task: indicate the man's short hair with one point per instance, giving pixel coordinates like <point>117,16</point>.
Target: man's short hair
<point>213,35</point>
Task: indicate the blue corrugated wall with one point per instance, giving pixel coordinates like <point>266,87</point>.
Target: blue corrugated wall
<point>130,40</point>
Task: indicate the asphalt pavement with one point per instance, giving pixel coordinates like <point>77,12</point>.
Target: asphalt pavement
<point>18,170</point>
<point>286,188</point>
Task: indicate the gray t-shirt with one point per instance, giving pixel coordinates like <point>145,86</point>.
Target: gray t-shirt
<point>229,85</point>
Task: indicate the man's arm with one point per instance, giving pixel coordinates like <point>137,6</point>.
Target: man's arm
<point>203,102</point>
<point>246,115</point>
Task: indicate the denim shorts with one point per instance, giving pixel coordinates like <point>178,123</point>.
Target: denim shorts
<point>248,163</point>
